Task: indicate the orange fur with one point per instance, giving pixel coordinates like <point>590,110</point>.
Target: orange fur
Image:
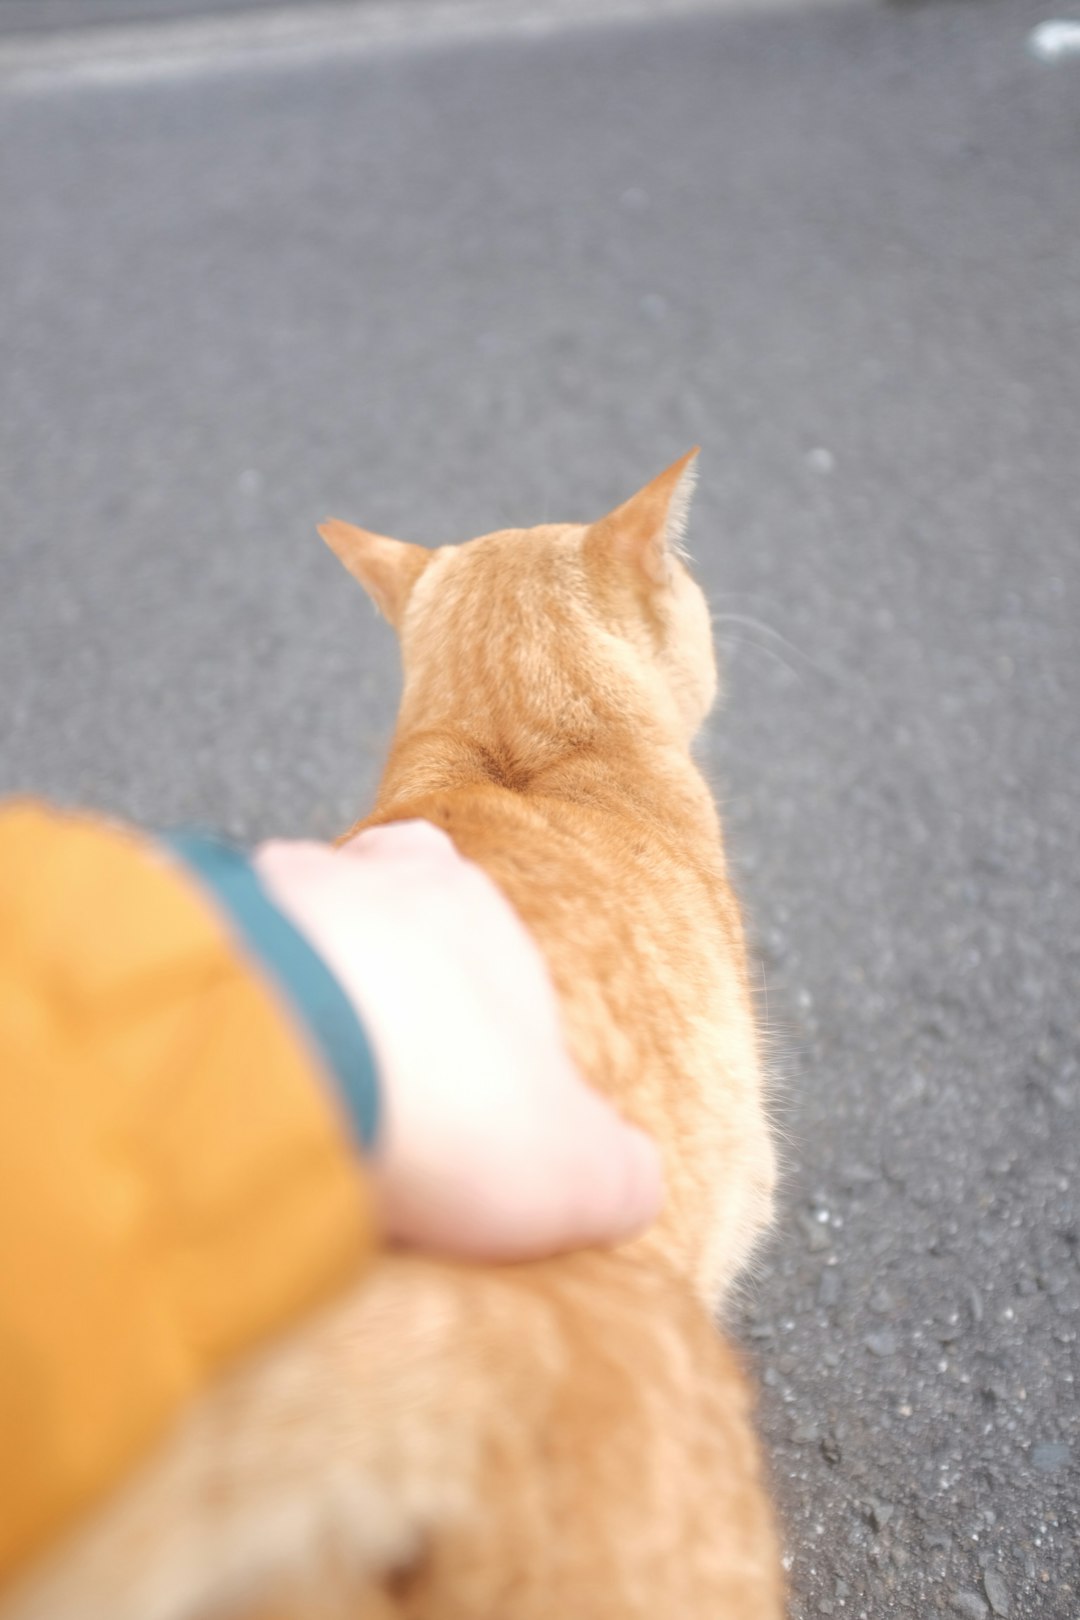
<point>571,1437</point>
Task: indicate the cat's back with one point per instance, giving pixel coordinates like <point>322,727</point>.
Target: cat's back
<point>642,936</point>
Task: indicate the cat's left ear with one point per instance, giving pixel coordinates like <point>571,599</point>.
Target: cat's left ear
<point>643,532</point>
<point>387,569</point>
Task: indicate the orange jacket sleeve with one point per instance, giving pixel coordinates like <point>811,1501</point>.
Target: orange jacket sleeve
<point>177,1180</point>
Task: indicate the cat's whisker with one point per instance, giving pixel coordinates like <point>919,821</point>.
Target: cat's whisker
<point>736,642</point>
<point>748,621</point>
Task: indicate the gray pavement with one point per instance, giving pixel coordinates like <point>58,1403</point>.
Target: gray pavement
<point>440,288</point>
<point>32,16</point>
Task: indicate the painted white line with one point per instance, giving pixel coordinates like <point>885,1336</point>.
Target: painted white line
<point>286,35</point>
<point>1055,40</point>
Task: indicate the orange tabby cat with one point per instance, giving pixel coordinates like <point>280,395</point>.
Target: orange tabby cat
<point>569,1438</point>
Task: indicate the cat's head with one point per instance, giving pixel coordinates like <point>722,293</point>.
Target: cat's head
<point>573,624</point>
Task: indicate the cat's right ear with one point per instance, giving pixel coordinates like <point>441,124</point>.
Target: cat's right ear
<point>387,569</point>
<point>642,534</point>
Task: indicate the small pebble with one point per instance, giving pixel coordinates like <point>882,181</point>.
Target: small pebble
<point>816,1234</point>
<point>830,1287</point>
<point>830,1447</point>
<point>858,1175</point>
<point>878,1514</point>
<point>1051,1456</point>
<point>804,1434</point>
<point>969,1604</point>
<point>882,1344</point>
<point>820,459</point>
<point>997,1592</point>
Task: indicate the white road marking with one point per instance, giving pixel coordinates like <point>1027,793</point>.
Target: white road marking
<point>110,56</point>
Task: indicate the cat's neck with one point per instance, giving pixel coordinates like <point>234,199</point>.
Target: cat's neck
<point>621,771</point>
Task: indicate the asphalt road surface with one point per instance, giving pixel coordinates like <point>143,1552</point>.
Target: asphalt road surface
<point>445,284</point>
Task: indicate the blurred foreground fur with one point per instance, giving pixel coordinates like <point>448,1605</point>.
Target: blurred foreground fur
<point>569,1438</point>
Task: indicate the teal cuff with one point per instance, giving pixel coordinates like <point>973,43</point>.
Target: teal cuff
<point>298,969</point>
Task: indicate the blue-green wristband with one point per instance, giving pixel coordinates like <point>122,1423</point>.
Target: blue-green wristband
<point>298,969</point>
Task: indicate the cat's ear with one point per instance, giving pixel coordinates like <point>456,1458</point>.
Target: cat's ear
<point>387,569</point>
<point>643,532</point>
